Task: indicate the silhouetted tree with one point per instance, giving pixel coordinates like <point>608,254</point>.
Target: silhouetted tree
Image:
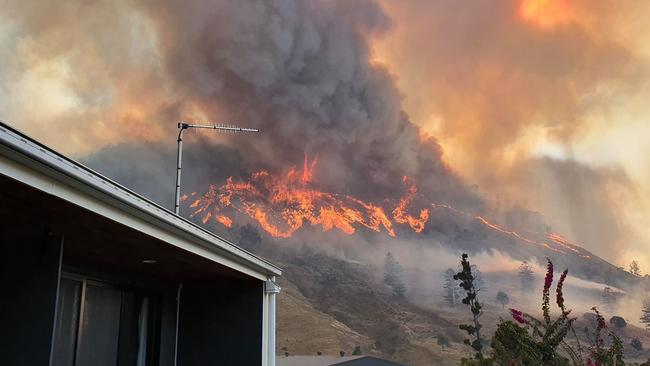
<point>473,330</point>
<point>479,281</point>
<point>443,341</point>
<point>393,276</point>
<point>635,269</point>
<point>608,298</point>
<point>526,276</point>
<point>451,288</point>
<point>502,298</point>
<point>645,317</point>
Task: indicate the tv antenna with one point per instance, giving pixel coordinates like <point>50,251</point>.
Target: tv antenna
<point>182,126</point>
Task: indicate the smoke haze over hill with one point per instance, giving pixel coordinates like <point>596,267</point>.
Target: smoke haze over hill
<point>499,95</point>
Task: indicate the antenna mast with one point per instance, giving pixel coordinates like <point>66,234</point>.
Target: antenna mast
<point>182,126</point>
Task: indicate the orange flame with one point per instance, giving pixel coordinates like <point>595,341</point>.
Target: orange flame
<point>224,220</point>
<point>283,204</point>
<point>402,217</point>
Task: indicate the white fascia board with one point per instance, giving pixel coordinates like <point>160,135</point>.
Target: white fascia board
<point>26,161</point>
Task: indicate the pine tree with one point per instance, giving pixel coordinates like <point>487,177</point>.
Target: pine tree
<point>479,281</point>
<point>526,276</point>
<point>443,341</point>
<point>609,298</point>
<point>393,276</point>
<point>635,269</point>
<point>451,288</point>
<point>645,318</point>
<point>502,298</point>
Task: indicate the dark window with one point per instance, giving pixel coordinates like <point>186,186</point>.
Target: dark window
<point>100,324</point>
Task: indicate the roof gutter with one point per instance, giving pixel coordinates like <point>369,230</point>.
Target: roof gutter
<point>18,147</point>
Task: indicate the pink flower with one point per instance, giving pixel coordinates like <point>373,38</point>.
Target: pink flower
<point>548,280</point>
<point>592,363</point>
<point>518,316</point>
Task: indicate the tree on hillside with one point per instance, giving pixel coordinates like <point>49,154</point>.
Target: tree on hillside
<point>526,276</point>
<point>393,276</point>
<point>635,269</point>
<point>608,298</point>
<point>451,288</point>
<point>502,298</point>
<point>645,317</point>
<point>443,341</point>
<point>479,281</point>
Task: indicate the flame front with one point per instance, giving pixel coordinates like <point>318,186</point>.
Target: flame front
<point>282,204</point>
<point>401,215</point>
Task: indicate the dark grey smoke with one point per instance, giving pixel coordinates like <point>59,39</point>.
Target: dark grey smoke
<point>150,168</point>
<point>301,72</point>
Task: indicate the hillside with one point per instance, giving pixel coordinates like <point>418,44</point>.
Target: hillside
<point>329,305</point>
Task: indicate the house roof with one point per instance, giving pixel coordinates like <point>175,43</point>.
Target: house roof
<point>333,361</point>
<point>39,166</point>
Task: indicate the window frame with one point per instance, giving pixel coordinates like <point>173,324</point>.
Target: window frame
<point>154,316</point>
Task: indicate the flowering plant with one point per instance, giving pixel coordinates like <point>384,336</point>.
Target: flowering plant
<point>466,279</point>
<point>531,341</point>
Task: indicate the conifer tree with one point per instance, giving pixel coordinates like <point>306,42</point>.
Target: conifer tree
<point>393,276</point>
<point>502,298</point>
<point>451,288</point>
<point>526,276</point>
<point>479,281</point>
<point>645,317</point>
<point>609,298</point>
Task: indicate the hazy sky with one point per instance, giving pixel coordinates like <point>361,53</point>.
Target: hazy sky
<point>540,104</point>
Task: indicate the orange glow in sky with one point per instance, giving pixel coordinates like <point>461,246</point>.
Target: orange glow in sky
<point>546,13</point>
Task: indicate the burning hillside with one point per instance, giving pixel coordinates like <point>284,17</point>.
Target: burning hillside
<point>281,204</point>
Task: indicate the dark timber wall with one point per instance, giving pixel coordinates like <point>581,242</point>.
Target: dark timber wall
<point>221,311</point>
<point>221,321</point>
<point>28,278</point>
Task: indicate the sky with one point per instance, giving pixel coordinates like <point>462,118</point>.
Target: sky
<point>535,104</point>
<point>541,103</point>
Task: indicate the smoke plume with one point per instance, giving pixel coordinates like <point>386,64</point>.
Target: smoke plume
<point>525,97</point>
<point>300,71</point>
<point>518,93</point>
